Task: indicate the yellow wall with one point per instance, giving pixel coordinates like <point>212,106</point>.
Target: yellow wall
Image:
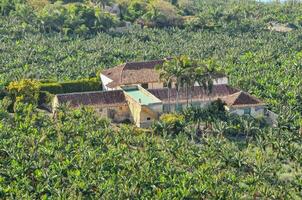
<point>117,113</point>
<point>135,109</point>
<point>140,113</point>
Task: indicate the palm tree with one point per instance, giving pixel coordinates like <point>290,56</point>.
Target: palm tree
<point>175,69</point>
<point>203,76</point>
<point>166,76</point>
<point>178,70</point>
<point>185,72</point>
<point>196,115</point>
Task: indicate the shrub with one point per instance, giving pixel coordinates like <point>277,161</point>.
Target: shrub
<point>171,124</point>
<point>24,91</point>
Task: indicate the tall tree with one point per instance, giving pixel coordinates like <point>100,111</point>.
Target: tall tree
<point>167,77</point>
<point>176,68</point>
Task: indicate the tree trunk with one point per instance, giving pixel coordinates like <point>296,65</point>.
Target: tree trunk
<point>191,98</point>
<point>187,94</point>
<point>177,96</point>
<point>198,130</point>
<point>177,99</point>
<point>169,103</point>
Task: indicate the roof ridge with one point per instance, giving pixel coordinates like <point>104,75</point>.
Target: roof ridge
<point>144,61</point>
<point>251,96</point>
<point>122,70</point>
<point>87,92</point>
<point>126,64</point>
<point>238,97</point>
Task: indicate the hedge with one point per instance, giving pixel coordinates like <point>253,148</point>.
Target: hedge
<point>83,85</point>
<point>44,98</point>
<point>53,88</point>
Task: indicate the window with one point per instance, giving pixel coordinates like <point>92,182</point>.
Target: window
<point>179,107</point>
<point>165,108</point>
<point>258,108</point>
<point>247,111</point>
<point>148,118</point>
<point>145,85</point>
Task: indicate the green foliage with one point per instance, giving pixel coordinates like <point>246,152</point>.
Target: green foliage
<point>45,98</point>
<point>2,93</point>
<point>215,110</point>
<point>24,91</point>
<point>162,14</point>
<point>136,9</point>
<point>80,156</point>
<point>53,88</point>
<point>75,18</point>
<point>170,124</point>
<point>7,6</point>
<point>82,85</point>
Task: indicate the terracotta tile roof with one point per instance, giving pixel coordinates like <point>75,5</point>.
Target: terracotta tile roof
<point>107,98</point>
<point>232,96</point>
<point>241,99</point>
<point>198,93</point>
<point>136,73</point>
<point>133,73</point>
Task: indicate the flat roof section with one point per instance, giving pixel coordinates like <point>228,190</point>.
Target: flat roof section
<point>140,97</point>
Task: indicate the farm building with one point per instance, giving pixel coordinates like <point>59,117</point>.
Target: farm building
<point>134,92</point>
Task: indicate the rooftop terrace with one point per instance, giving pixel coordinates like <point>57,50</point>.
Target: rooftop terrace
<point>141,96</point>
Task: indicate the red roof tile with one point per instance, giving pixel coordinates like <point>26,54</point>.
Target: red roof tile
<point>198,93</point>
<point>133,73</point>
<point>107,98</point>
<point>242,99</point>
<point>136,73</point>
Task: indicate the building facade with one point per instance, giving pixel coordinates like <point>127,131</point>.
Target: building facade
<point>134,92</point>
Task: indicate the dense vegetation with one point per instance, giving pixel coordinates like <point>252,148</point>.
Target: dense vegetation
<point>79,155</point>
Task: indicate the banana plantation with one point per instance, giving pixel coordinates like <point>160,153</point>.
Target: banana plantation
<point>78,155</point>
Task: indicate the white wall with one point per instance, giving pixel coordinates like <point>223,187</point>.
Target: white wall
<point>158,108</point>
<point>184,105</point>
<point>155,85</point>
<point>256,112</point>
<point>105,80</point>
<point>218,81</point>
